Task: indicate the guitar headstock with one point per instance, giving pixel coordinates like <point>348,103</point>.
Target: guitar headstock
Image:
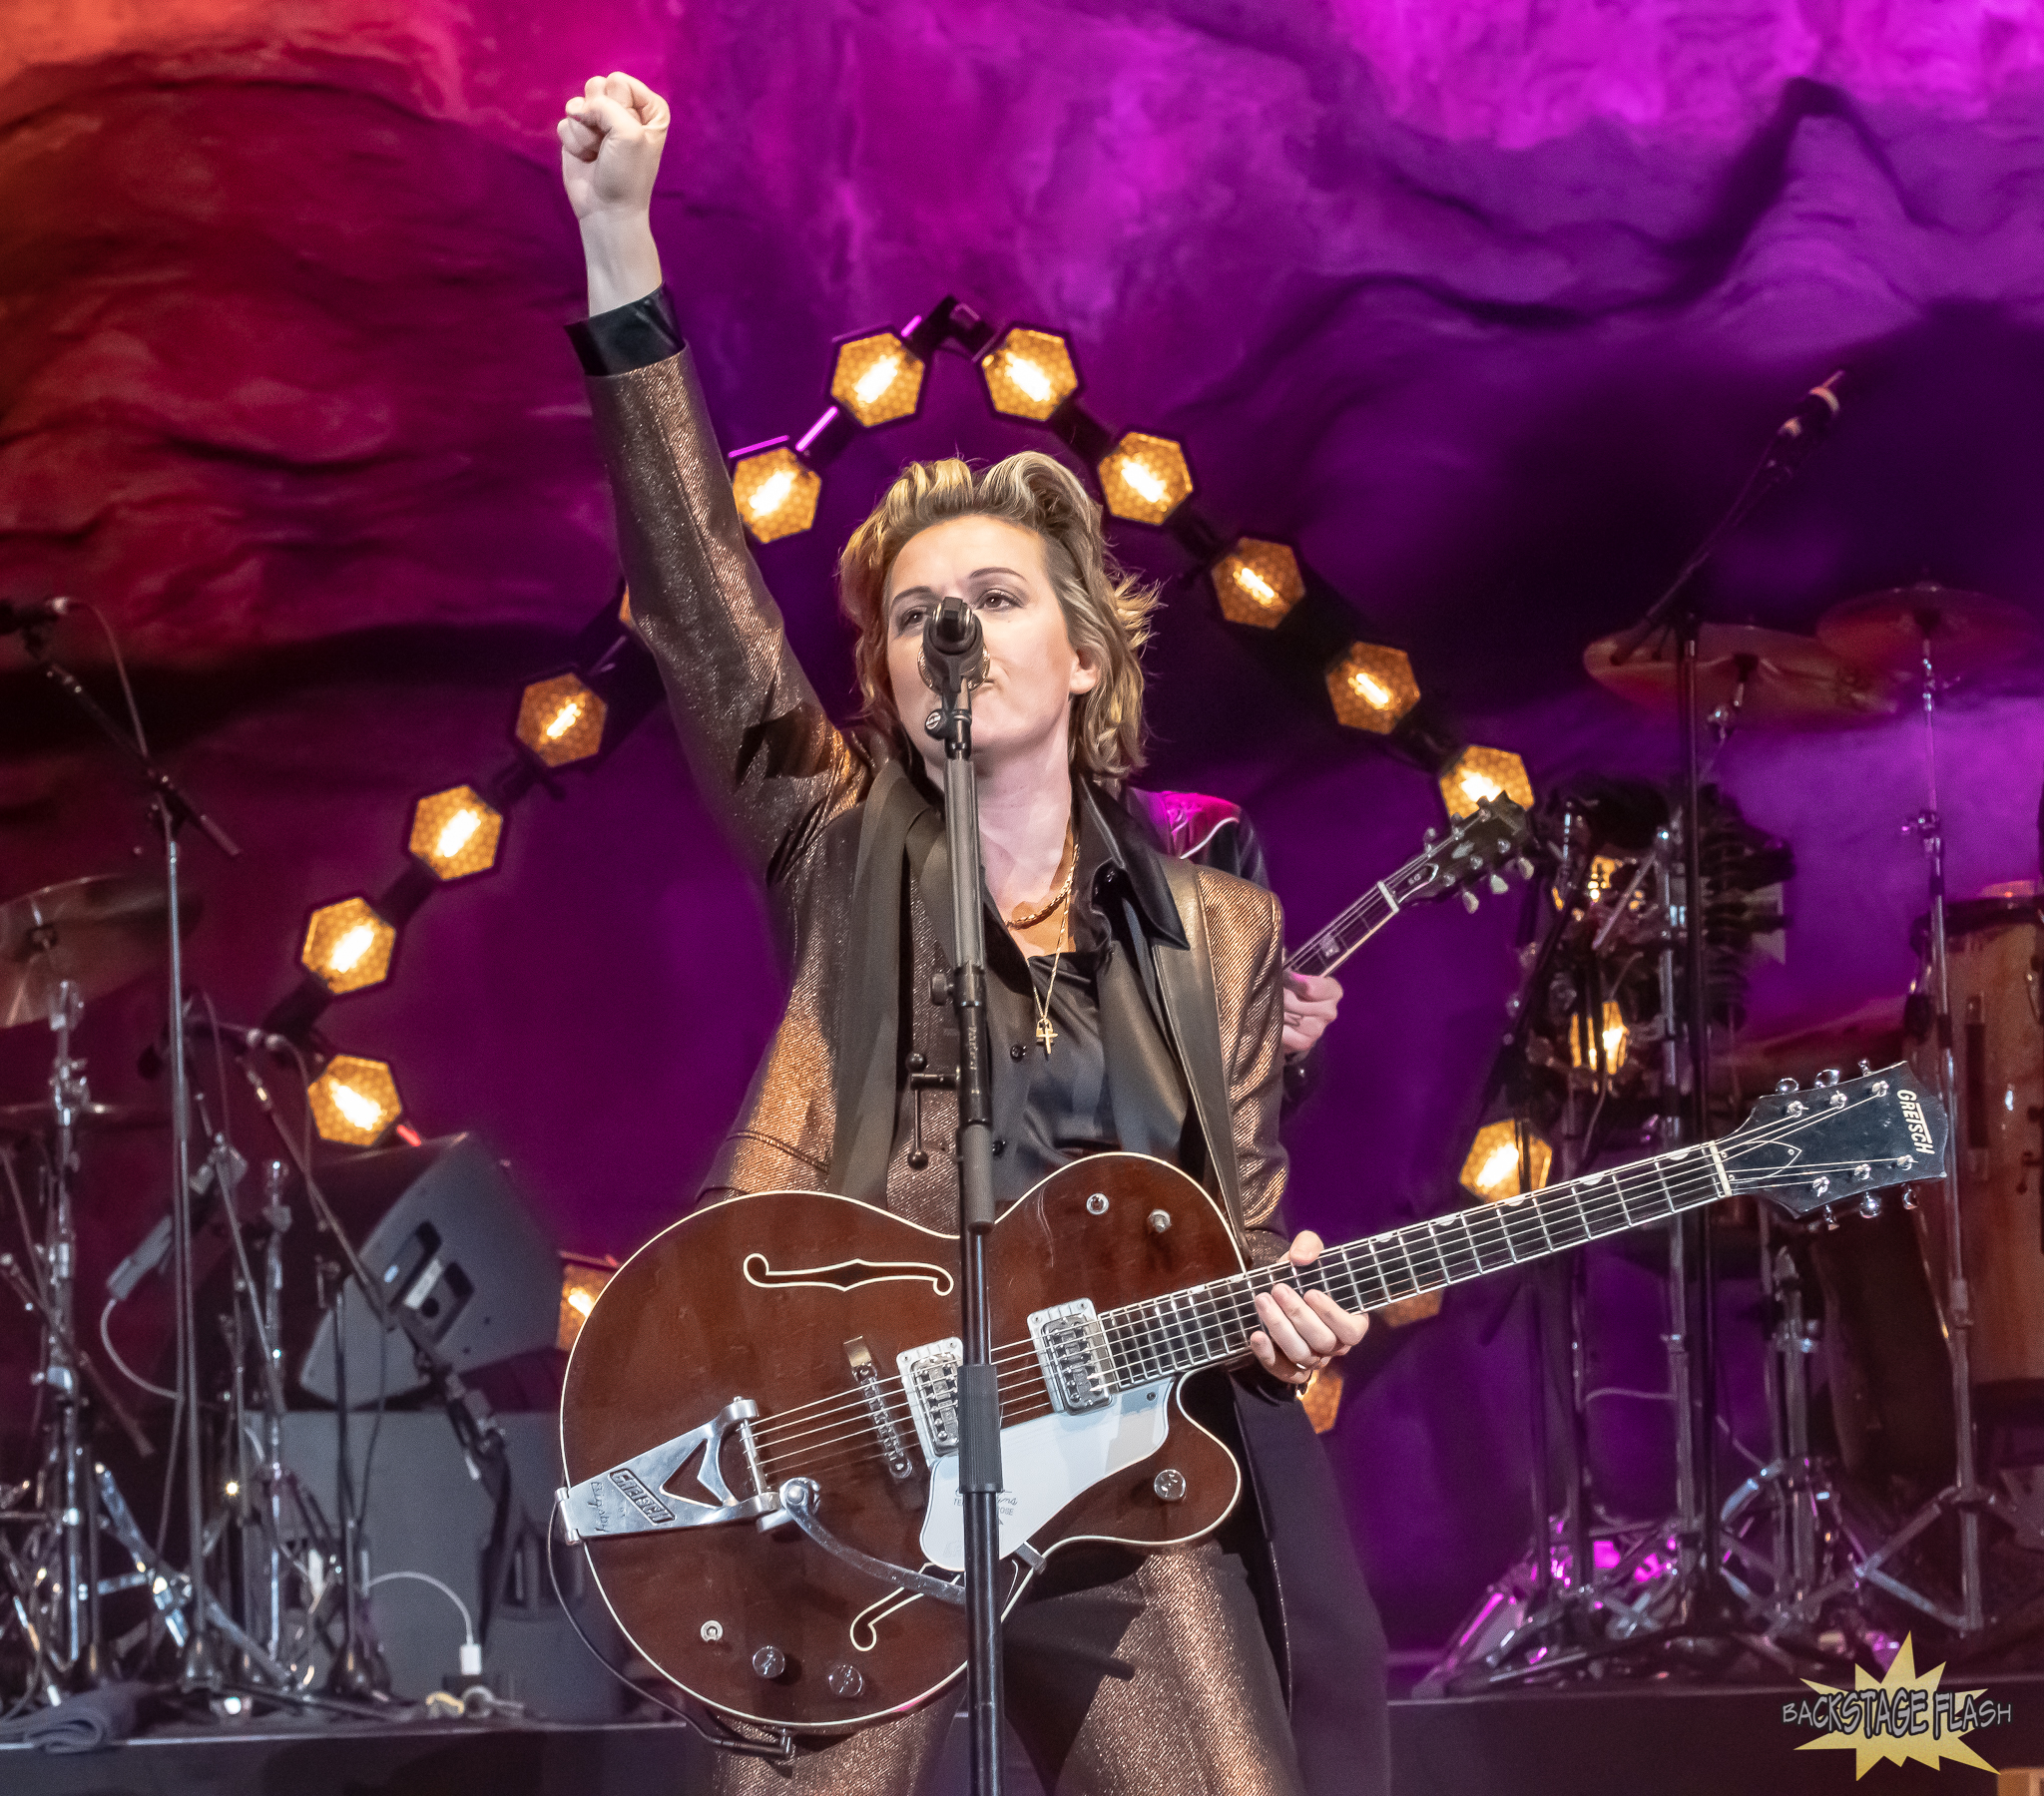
<point>1481,844</point>
<point>1805,1151</point>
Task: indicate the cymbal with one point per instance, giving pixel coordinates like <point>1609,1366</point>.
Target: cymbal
<point>40,1119</point>
<point>1885,632</point>
<point>1788,679</point>
<point>98,933</point>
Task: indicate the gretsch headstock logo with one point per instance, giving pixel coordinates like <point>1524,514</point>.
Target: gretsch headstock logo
<point>1919,1126</point>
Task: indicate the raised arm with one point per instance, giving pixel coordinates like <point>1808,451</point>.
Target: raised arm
<point>763,750</point>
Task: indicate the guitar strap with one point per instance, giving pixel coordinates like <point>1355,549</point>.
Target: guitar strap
<point>1184,981</point>
<point>869,1003</point>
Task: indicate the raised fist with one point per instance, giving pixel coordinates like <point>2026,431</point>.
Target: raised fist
<point>611,141</point>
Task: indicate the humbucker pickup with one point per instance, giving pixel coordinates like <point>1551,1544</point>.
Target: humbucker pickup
<point>1071,1345</point>
<point>929,1379</point>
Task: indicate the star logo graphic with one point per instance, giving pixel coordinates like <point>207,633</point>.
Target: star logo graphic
<point>1898,1717</point>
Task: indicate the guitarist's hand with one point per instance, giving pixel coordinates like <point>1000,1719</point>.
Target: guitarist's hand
<point>1300,1334</point>
<point>1311,1001</point>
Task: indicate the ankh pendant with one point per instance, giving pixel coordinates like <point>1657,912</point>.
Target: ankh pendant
<point>1045,1033</point>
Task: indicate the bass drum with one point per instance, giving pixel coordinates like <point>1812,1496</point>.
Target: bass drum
<point>1995,948</point>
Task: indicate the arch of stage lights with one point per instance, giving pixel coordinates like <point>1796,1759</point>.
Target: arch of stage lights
<point>876,379</point>
<point>879,377</point>
<point>1491,1170</point>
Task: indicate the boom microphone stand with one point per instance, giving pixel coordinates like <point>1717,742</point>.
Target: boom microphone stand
<point>1707,1602</point>
<point>953,656</point>
<point>173,810</point>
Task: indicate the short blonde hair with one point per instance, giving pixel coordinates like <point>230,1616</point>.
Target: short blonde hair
<point>1106,610</point>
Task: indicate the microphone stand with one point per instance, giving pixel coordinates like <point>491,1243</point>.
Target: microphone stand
<point>1708,1604</point>
<point>953,657</point>
<point>200,1669</point>
<point>468,1411</point>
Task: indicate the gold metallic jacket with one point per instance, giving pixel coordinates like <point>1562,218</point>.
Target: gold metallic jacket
<point>789,788</point>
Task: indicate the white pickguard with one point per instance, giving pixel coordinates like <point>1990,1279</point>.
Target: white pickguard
<point>1045,1463</point>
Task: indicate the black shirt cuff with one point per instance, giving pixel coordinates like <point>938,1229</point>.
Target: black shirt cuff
<point>628,337</point>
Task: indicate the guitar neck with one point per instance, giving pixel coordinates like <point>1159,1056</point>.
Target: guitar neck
<point>1210,1324</point>
<point>1347,933</point>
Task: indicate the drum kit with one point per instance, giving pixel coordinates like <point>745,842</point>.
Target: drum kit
<point>1926,1315</point>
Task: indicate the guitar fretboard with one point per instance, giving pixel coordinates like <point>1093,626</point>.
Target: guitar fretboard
<point>1347,933</point>
<point>1205,1325</point>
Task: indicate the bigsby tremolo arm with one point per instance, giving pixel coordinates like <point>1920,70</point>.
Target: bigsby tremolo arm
<point>799,1500</point>
<point>632,1498</point>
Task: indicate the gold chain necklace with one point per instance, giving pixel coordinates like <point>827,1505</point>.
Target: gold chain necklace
<point>1046,1032</point>
<point>1060,895</point>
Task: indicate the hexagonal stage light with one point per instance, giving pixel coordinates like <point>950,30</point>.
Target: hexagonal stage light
<point>1029,373</point>
<point>560,719</point>
<point>1479,773</point>
<point>1144,478</point>
<point>1373,687</point>
<point>1258,582</point>
<point>354,1101</point>
<point>777,493</point>
<point>1617,1038</point>
<point>1492,1170</point>
<point>348,946</point>
<point>455,832</point>
<point>877,380</point>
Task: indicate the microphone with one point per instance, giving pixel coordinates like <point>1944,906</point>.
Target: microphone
<point>1812,420</point>
<point>244,1041</point>
<point>33,615</point>
<point>953,649</point>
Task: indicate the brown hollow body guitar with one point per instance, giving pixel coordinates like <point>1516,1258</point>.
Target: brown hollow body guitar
<point>758,1420</point>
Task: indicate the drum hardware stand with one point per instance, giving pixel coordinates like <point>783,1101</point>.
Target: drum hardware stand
<point>953,659</point>
<point>46,1286</point>
<point>173,810</point>
<point>1965,1497</point>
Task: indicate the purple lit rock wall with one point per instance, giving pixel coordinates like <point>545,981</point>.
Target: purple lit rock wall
<point>1488,307</point>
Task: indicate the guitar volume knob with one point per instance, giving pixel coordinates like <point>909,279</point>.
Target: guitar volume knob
<point>1170,1485</point>
<point>845,1681</point>
<point>769,1662</point>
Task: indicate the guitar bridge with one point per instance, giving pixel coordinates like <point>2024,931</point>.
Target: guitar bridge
<point>1071,1346</point>
<point>868,1378</point>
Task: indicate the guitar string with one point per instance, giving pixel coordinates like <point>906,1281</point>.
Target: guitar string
<point>1197,1307</point>
<point>857,1445</point>
<point>857,1412</point>
<point>853,1406</point>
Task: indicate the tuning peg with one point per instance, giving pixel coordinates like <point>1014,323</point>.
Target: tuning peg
<point>1470,901</point>
<point>1869,1206</point>
<point>1909,1198</point>
<point>1827,1078</point>
<point>1497,883</point>
<point>1831,1219</point>
<point>1786,1085</point>
<point>1430,837</point>
<point>1522,866</point>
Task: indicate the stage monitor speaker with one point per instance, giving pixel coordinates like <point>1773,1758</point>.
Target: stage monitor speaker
<point>424,1513</point>
<point>446,1232</point>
